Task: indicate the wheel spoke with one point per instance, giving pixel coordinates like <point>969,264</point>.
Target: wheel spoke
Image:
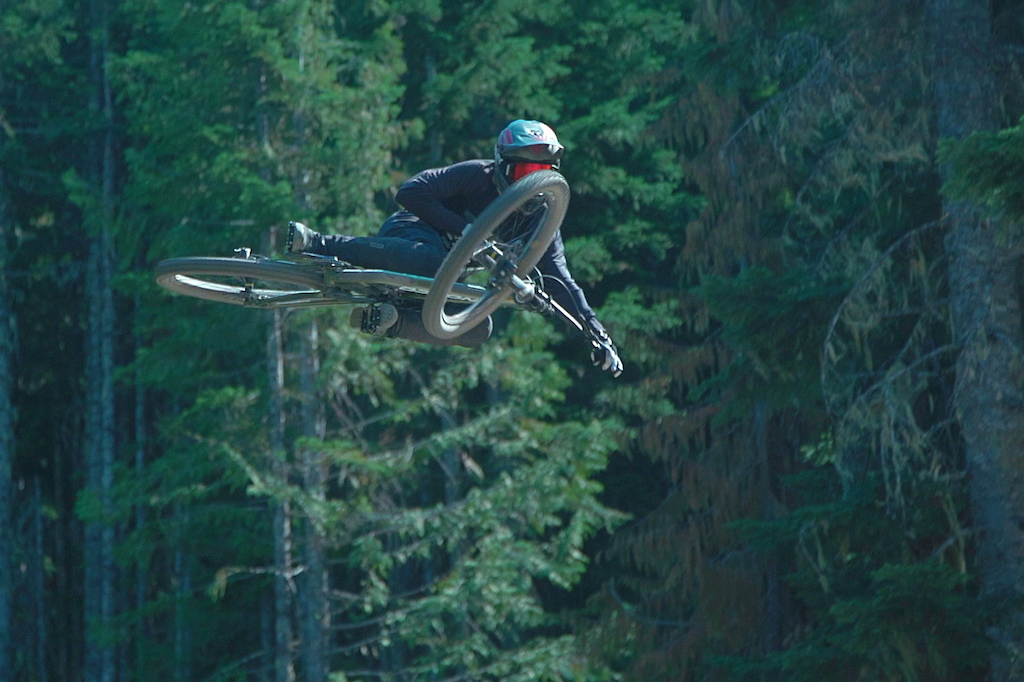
<point>505,241</point>
<point>243,281</point>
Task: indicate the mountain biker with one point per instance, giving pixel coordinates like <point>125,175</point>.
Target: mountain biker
<point>437,204</point>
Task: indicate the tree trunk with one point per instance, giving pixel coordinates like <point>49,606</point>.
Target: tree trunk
<point>987,319</point>
<point>67,657</point>
<point>282,518</point>
<point>316,613</point>
<point>6,439</point>
<point>141,631</point>
<point>100,424</point>
<point>39,581</point>
<point>182,572</point>
<point>99,568</point>
<point>283,584</point>
<point>434,130</point>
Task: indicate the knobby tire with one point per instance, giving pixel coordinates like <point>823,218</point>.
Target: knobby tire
<point>526,249</point>
<point>254,283</point>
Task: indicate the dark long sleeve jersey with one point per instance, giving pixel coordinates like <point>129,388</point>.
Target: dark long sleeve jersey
<point>448,198</point>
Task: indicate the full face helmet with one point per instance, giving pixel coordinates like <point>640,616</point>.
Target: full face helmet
<point>524,147</point>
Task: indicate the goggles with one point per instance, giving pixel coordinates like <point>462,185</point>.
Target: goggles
<point>520,169</point>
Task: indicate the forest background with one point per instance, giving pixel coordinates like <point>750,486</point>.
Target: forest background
<point>799,220</point>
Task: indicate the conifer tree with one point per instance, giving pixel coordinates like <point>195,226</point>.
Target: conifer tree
<point>817,336</point>
<point>986,304</point>
<point>6,424</point>
<point>755,215</point>
<point>100,435</point>
<point>38,96</point>
<point>299,146</point>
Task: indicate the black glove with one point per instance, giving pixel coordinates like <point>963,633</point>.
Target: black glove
<point>603,354</point>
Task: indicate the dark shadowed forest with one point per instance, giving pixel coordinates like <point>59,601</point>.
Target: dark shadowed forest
<point>800,221</point>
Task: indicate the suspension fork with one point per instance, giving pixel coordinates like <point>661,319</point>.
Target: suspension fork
<point>526,293</point>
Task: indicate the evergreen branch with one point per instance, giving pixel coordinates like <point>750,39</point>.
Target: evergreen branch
<point>354,646</point>
<point>1002,336</point>
<point>854,222</point>
<point>345,627</point>
<point>353,426</point>
<point>812,177</point>
<point>815,564</point>
<point>237,664</point>
<point>630,611</point>
<point>1017,50</point>
<point>805,82</point>
<point>219,585</point>
<point>958,539</point>
<point>889,377</point>
<point>430,672</point>
<point>5,124</point>
<point>859,283</point>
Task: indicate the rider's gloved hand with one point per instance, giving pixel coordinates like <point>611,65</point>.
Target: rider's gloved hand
<point>603,354</point>
<point>606,357</point>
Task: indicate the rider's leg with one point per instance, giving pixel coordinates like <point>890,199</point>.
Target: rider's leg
<point>409,326</point>
<point>400,246</point>
<point>386,253</point>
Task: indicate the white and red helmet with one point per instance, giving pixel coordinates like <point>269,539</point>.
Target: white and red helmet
<point>524,147</point>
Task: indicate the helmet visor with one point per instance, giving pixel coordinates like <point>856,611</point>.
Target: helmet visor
<point>542,153</point>
<point>520,169</point>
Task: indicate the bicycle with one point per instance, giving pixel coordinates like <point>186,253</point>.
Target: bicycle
<point>490,266</point>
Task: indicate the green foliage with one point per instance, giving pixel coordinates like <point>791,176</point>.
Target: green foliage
<point>32,34</point>
<point>474,66</point>
<point>526,525</point>
<point>507,502</point>
<point>775,322</point>
<point>810,309</point>
<point>755,219</point>
<point>278,133</point>
<point>886,601</point>
<point>988,168</point>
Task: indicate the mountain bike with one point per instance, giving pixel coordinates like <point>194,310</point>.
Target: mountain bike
<point>490,266</point>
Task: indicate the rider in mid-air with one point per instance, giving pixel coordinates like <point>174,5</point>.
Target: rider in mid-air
<point>437,205</point>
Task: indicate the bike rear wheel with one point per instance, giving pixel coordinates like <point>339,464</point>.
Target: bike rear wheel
<point>507,241</point>
<point>249,282</point>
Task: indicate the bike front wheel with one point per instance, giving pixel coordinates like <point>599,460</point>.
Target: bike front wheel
<point>249,282</point>
<point>508,239</point>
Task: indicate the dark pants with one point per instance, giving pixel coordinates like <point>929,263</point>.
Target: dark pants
<point>400,246</point>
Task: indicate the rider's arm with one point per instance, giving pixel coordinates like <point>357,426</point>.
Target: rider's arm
<point>565,291</point>
<point>429,194</point>
<point>571,297</point>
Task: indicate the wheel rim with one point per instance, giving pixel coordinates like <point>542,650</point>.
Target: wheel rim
<point>246,288</point>
<point>245,282</point>
<point>497,290</point>
<point>524,241</point>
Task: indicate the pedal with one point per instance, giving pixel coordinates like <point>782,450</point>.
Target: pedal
<point>376,319</point>
<point>371,319</point>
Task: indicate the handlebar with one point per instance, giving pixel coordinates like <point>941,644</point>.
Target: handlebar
<point>529,296</point>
